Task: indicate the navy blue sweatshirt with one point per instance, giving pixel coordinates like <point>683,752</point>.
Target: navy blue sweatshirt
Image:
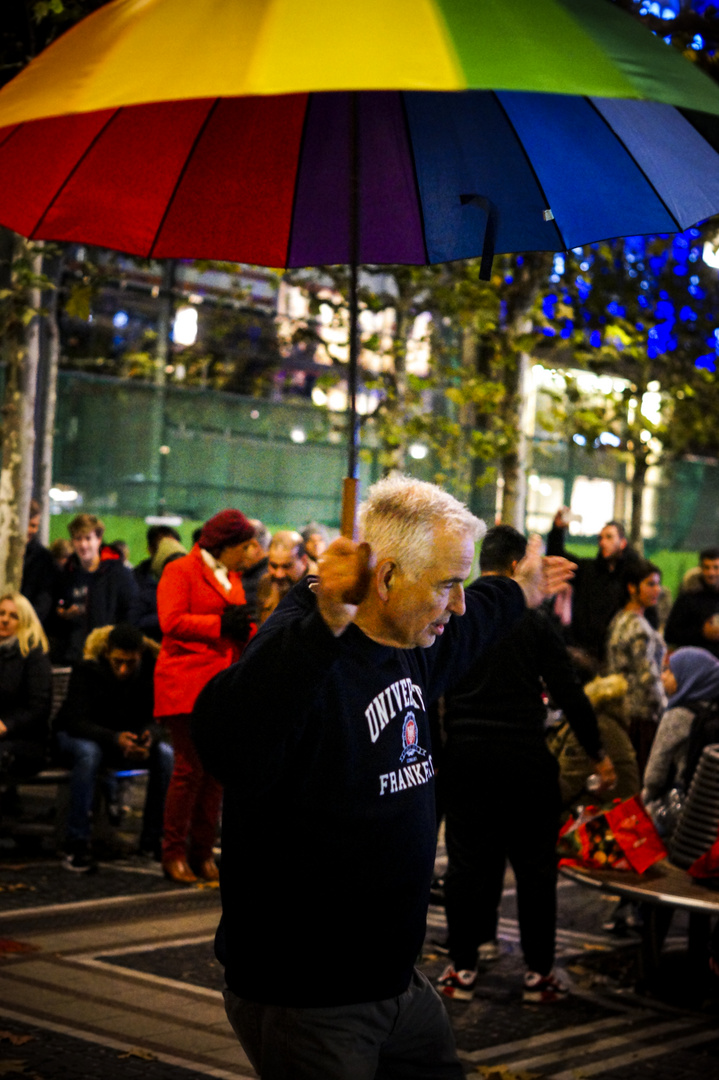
<point>328,833</point>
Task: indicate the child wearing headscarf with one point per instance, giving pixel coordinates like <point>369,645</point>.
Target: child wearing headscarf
<point>691,679</point>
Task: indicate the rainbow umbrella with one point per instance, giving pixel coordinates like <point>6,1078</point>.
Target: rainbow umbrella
<point>299,133</point>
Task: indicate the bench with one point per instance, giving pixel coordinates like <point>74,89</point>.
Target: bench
<point>662,890</point>
<point>32,831</point>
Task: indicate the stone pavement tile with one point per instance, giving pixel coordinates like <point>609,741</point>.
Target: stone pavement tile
<point>201,1040</point>
<point>55,1055</point>
<point>28,996</point>
<point>234,1056</point>
<point>133,1025</point>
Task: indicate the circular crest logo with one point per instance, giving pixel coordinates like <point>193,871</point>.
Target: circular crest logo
<point>410,739</point>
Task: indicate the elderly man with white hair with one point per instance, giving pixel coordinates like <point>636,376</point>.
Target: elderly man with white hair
<point>320,736</point>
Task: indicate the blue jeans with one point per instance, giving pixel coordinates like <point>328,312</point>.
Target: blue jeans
<point>404,1038</point>
<point>86,758</point>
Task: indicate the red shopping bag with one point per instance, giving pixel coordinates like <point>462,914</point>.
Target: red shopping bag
<point>635,833</point>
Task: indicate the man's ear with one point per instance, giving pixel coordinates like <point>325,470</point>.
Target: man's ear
<point>384,576</point>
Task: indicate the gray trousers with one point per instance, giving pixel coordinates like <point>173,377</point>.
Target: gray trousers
<point>404,1038</point>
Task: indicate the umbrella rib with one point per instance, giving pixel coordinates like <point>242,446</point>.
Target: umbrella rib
<point>88,149</point>
<point>636,163</point>
<point>181,175</point>
<point>10,133</point>
<point>530,166</point>
<point>300,152</point>
<point>418,194</point>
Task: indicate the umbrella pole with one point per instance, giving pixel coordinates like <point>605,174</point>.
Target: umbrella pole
<point>350,486</point>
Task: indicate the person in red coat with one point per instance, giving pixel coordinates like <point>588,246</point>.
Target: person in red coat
<point>205,625</point>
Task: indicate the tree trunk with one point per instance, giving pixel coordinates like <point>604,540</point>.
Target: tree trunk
<point>639,478</point>
<point>514,462</point>
<point>43,480</point>
<point>18,435</point>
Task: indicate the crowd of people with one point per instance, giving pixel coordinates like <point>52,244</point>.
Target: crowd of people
<point>141,643</point>
<point>318,693</point>
<point>608,691</point>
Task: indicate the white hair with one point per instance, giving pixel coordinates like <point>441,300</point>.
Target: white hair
<point>400,516</point>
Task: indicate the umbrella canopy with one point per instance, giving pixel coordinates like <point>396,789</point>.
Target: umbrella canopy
<point>173,128</point>
<point>297,133</point>
<point>269,180</point>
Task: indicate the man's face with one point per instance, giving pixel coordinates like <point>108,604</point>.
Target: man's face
<point>610,542</point>
<point>710,573</point>
<point>286,564</point>
<point>417,611</point>
<point>239,556</point>
<point>253,554</point>
<point>87,547</point>
<point>315,545</point>
<point>124,664</point>
<point>33,527</point>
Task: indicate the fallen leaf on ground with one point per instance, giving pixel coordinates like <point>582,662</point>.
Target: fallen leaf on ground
<point>14,1038</point>
<point>7,945</point>
<point>137,1052</point>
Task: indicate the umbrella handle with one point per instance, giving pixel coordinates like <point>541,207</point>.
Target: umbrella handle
<point>350,493</point>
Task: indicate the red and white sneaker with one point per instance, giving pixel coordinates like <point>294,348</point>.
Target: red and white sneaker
<point>458,985</point>
<point>543,989</point>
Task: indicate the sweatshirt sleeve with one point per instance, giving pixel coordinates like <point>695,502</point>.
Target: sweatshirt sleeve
<point>566,690</point>
<point>246,720</point>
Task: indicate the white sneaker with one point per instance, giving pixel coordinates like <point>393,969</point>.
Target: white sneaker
<point>543,989</point>
<point>458,985</point>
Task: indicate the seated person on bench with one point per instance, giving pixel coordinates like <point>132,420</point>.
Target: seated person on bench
<point>25,689</point>
<point>107,723</point>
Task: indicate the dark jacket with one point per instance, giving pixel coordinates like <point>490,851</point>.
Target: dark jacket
<point>250,581</point>
<point>25,694</point>
<point>99,706</point>
<point>597,593</point>
<point>322,744</point>
<point>501,698</point>
<point>112,597</point>
<point>147,618</point>
<point>38,578</point>
<point>689,613</point>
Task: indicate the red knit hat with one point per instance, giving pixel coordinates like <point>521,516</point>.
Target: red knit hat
<point>226,529</point>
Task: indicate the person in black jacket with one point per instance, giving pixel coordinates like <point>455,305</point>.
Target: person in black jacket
<point>94,589</point>
<point>25,688</point>
<point>694,617</point>
<point>501,789</point>
<point>598,586</point>
<point>320,736</point>
<point>107,721</point>
<point>146,580</point>
<point>257,561</point>
<point>38,568</point>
